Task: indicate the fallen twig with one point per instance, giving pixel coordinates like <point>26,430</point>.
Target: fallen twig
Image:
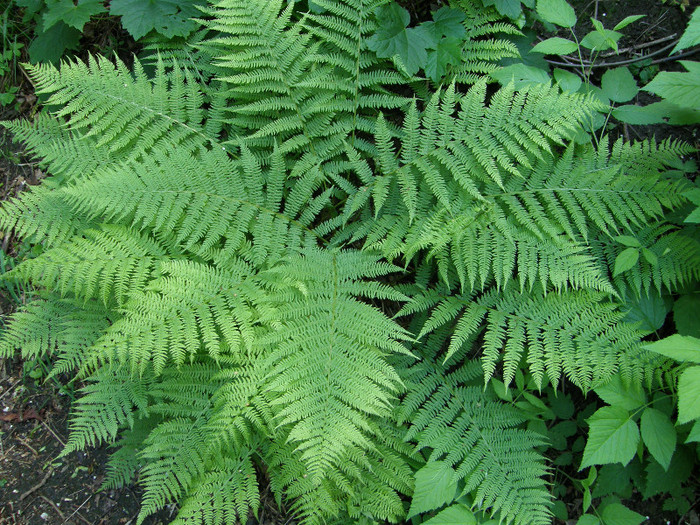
<point>37,486</point>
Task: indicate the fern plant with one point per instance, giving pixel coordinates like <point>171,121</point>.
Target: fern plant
<point>286,258</point>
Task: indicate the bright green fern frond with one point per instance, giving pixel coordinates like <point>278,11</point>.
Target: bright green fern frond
<point>174,460</point>
<point>55,326</point>
<point>42,214</point>
<point>579,334</point>
<point>110,264</point>
<point>188,308</point>
<point>203,203</point>
<point>483,47</point>
<point>224,495</point>
<point>669,260</point>
<point>127,113</point>
<point>65,154</point>
<point>107,405</point>
<point>327,364</point>
<point>456,421</point>
<point>241,409</point>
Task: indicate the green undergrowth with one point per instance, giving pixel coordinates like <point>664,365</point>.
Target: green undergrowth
<point>280,256</point>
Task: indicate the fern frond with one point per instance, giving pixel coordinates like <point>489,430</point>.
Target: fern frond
<point>52,326</point>
<point>674,261</point>
<point>226,494</point>
<point>579,334</point>
<point>203,203</point>
<point>127,113</point>
<point>107,405</point>
<point>328,364</point>
<point>188,308</point>
<point>460,423</point>
<point>174,459</point>
<point>42,215</point>
<point>110,265</point>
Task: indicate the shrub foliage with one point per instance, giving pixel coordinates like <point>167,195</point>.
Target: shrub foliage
<point>285,257</point>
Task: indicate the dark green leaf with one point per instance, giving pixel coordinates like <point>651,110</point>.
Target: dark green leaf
<point>617,393</point>
<point>612,438</point>
<point>659,435</point>
<point>618,514</point>
<point>448,22</point>
<point>448,52</point>
<point>393,38</point>
<point>453,515</point>
<point>50,45</point>
<point>436,485</point>
<point>568,81</point>
<point>619,85</point>
<point>649,310</point>
<point>679,347</point>
<point>626,260</point>
<point>509,8</point>
<point>74,15</point>
<point>691,36</point>
<point>555,46</point>
<point>686,315</point>
<point>689,395</point>
<point>169,17</point>
<point>681,88</point>
<point>557,12</point>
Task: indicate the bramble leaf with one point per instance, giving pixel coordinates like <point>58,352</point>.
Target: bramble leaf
<point>557,12</point>
<point>73,15</point>
<point>436,485</point>
<point>555,46</point>
<point>658,435</point>
<point>612,438</point>
<point>689,395</point>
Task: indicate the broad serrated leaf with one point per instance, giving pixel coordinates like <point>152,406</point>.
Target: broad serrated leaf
<point>678,347</point>
<point>639,115</point>
<point>394,38</point>
<point>568,81</point>
<point>625,260</point>
<point>612,437</point>
<point>689,395</point>
<point>618,514</point>
<point>557,12</point>
<point>616,393</point>
<point>171,18</point>
<point>588,519</point>
<point>694,435</point>
<point>510,8</point>
<point>73,15</point>
<point>659,435</point>
<point>649,311</point>
<point>680,88</point>
<point>619,85</point>
<point>49,46</point>
<point>521,75</point>
<point>628,240</point>
<point>691,36</point>
<point>555,46</point>
<point>448,52</point>
<point>686,315</point>
<point>447,22</point>
<point>436,485</point>
<point>454,515</point>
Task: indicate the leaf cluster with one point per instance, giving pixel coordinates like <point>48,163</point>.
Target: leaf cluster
<point>277,252</point>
